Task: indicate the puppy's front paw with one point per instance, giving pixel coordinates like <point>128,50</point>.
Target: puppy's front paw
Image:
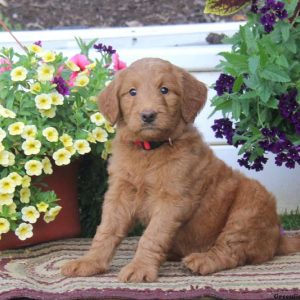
<point>200,263</point>
<point>82,267</point>
<point>135,272</point>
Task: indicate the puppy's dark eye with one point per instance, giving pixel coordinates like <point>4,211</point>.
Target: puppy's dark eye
<point>133,92</point>
<point>164,90</point>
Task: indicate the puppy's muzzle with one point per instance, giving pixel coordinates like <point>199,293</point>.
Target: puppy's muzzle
<point>148,116</point>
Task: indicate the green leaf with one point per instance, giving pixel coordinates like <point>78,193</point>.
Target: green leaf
<point>282,61</point>
<point>236,109</point>
<point>237,84</point>
<point>250,40</point>
<point>238,62</point>
<point>253,63</point>
<point>274,73</point>
<point>285,30</point>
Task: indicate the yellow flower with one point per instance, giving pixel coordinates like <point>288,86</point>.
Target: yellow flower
<point>16,178</point>
<point>97,119</point>
<point>47,167</point>
<point>43,101</point>
<point>31,146</point>
<point>24,231</point>
<point>26,180</point>
<point>12,208</point>
<point>104,155</point>
<point>6,113</point>
<point>18,74</point>
<point>2,134</point>
<point>82,146</point>
<point>91,66</point>
<point>35,88</point>
<point>93,99</point>
<point>16,128</point>
<point>108,147</point>
<point>66,140</point>
<point>109,128</point>
<point>62,157</point>
<point>7,186</point>
<point>48,56</point>
<point>45,72</point>
<point>33,167</point>
<point>91,138</point>
<point>1,147</point>
<point>72,66</point>
<point>29,131</point>
<point>34,48</point>
<point>49,113</point>
<point>100,135</point>
<point>6,199</point>
<point>4,158</point>
<point>11,159</point>
<point>57,99</point>
<point>71,149</point>
<point>4,225</point>
<point>30,214</point>
<point>52,214</point>
<point>42,206</point>
<point>25,195</point>
<point>81,80</point>
<point>51,134</point>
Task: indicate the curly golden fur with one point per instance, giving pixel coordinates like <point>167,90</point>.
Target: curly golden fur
<point>194,206</point>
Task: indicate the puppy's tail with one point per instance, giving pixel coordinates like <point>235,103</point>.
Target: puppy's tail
<point>288,244</point>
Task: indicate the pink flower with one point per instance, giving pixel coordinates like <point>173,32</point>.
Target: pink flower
<point>118,64</point>
<point>80,60</point>
<point>5,65</point>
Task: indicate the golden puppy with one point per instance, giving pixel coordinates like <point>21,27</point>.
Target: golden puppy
<point>163,174</point>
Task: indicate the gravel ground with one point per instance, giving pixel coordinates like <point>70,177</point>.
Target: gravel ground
<point>54,14</point>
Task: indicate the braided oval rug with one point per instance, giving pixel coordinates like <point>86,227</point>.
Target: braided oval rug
<point>35,273</point>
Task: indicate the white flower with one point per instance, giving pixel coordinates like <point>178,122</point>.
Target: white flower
<point>43,101</point>
<point>62,157</point>
<point>31,146</point>
<point>29,131</point>
<point>97,119</point>
<point>33,167</point>
<point>45,72</point>
<point>16,128</point>
<point>30,214</point>
<point>18,74</point>
<point>24,231</point>
<point>100,135</point>
<point>82,146</point>
<point>51,134</point>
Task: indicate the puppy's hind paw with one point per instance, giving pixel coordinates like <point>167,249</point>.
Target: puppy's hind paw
<point>82,267</point>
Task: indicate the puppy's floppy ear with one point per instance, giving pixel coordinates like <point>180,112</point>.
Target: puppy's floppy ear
<point>108,102</point>
<point>194,96</point>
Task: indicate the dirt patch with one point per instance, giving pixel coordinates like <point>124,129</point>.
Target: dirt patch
<point>54,14</point>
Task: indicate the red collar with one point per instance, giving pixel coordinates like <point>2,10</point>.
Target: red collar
<point>150,145</point>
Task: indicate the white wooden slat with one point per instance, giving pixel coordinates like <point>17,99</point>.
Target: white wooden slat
<point>281,181</point>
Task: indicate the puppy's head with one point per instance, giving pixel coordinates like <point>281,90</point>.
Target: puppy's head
<point>151,98</point>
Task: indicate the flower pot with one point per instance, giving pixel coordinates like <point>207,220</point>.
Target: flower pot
<point>67,224</point>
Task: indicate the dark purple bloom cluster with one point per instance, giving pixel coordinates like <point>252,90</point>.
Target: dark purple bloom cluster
<point>38,43</point>
<point>271,12</point>
<point>257,164</point>
<point>102,48</point>
<point>223,128</point>
<point>61,85</point>
<point>276,142</point>
<point>224,84</point>
<point>289,108</point>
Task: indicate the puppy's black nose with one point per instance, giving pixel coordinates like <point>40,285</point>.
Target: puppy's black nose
<point>148,116</point>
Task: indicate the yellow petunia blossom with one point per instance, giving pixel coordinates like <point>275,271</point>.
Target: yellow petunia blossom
<point>25,195</point>
<point>24,231</point>
<point>108,147</point>
<point>51,134</point>
<point>91,66</point>
<point>66,140</point>
<point>6,113</point>
<point>109,128</point>
<point>18,74</point>
<point>82,146</point>
<point>34,48</point>
<point>2,134</point>
<point>16,178</point>
<point>72,66</point>
<point>47,166</point>
<point>91,138</point>
<point>6,199</point>
<point>57,99</point>
<point>29,131</point>
<point>4,158</point>
<point>52,214</point>
<point>16,128</point>
<point>4,225</point>
<point>100,135</point>
<point>81,80</point>
<point>7,186</point>
<point>71,149</point>
<point>33,167</point>
<point>45,72</point>
<point>43,101</point>
<point>49,113</point>
<point>26,180</point>
<point>35,88</point>
<point>31,146</point>
<point>97,119</point>
<point>48,56</point>
<point>93,99</point>
<point>62,157</point>
<point>1,147</point>
<point>42,206</point>
<point>30,214</point>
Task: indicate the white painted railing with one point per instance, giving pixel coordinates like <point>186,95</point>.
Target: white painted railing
<point>185,46</point>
